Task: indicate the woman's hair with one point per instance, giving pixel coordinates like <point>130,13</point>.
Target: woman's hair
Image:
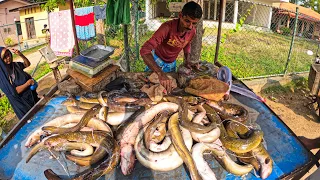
<point>3,51</point>
<point>192,9</point>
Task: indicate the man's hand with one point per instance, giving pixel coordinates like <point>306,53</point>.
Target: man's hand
<point>191,65</point>
<point>165,82</point>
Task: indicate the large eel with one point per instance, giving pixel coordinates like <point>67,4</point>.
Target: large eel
<point>221,156</point>
<point>230,111</point>
<point>186,121</point>
<point>73,102</point>
<point>152,127</point>
<point>83,122</point>
<point>204,137</point>
<point>258,157</point>
<point>180,146</point>
<point>166,160</point>
<point>235,144</point>
<point>105,167</point>
<point>131,131</point>
<point>94,123</point>
<point>98,139</point>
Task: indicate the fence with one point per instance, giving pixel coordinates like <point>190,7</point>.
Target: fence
<point>256,38</point>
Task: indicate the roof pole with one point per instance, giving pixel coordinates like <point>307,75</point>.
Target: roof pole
<point>74,27</point>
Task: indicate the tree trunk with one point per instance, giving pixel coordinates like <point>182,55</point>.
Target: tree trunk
<point>196,43</point>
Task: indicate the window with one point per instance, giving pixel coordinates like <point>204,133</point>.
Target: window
<point>19,27</point>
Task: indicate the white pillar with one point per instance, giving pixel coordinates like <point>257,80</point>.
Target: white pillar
<point>148,10</point>
<point>270,18</point>
<point>215,10</point>
<point>254,15</point>
<point>235,12</point>
<point>224,10</point>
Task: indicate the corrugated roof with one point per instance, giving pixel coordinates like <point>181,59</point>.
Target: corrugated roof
<point>306,11</point>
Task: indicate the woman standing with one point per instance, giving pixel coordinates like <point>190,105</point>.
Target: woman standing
<point>15,83</point>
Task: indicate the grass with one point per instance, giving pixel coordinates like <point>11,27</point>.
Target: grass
<point>30,51</point>
<point>5,109</point>
<point>300,83</point>
<point>251,53</point>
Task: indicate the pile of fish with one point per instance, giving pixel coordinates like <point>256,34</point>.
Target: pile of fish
<point>106,128</point>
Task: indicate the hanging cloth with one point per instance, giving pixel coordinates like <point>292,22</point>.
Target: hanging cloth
<point>21,103</point>
<point>84,21</point>
<point>118,12</point>
<point>100,12</point>
<point>61,33</point>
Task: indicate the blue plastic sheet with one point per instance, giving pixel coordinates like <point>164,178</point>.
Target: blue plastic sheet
<point>286,151</point>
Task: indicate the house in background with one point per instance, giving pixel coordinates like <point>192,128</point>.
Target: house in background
<point>260,13</point>
<point>33,19</point>
<point>8,27</point>
<point>308,20</point>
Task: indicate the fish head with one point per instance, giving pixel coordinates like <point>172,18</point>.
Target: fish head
<point>127,159</point>
<point>69,102</point>
<point>266,168</point>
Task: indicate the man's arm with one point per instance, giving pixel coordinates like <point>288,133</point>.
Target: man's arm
<point>147,57</point>
<point>26,61</point>
<point>164,80</point>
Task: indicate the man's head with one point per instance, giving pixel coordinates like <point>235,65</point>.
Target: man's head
<point>190,15</point>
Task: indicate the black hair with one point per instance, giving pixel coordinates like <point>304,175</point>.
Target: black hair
<point>192,9</point>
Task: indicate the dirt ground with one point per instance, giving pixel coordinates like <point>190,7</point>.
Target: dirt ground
<point>292,108</point>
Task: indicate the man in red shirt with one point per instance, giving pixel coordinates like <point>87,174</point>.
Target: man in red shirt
<point>161,50</point>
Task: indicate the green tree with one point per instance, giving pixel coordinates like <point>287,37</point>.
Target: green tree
<point>313,4</point>
<point>51,4</point>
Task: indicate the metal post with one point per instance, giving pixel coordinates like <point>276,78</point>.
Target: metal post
<point>18,35</point>
<point>219,31</point>
<point>136,25</point>
<point>292,40</point>
<point>74,27</point>
<point>126,46</point>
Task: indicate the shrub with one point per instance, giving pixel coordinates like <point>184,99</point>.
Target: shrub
<point>8,41</point>
<point>285,31</point>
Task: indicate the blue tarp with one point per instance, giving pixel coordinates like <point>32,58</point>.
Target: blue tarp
<point>286,151</point>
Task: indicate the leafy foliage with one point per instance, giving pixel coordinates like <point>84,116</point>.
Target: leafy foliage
<point>238,25</point>
<point>8,41</point>
<point>285,31</point>
<point>5,108</point>
<point>52,4</point>
<point>313,4</point>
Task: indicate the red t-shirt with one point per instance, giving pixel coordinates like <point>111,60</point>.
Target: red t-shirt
<point>168,42</point>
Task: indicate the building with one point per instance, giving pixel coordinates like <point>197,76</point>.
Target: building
<point>308,20</point>
<point>259,13</point>
<point>8,27</point>
<point>33,19</point>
